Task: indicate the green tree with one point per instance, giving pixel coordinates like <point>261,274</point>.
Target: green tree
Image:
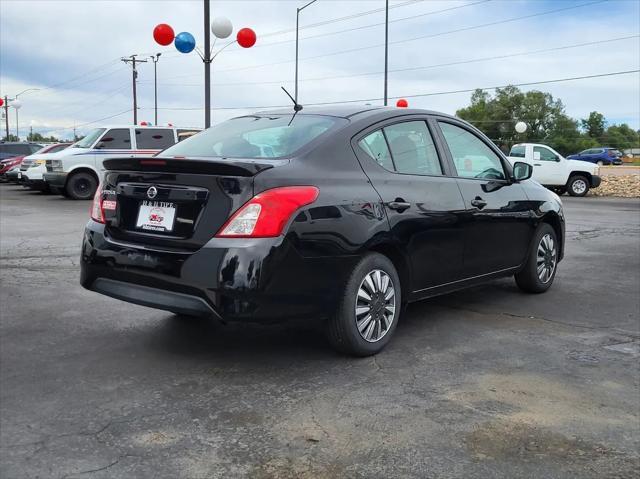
<point>497,115</point>
<point>621,137</point>
<point>38,137</point>
<point>595,125</point>
<point>11,137</point>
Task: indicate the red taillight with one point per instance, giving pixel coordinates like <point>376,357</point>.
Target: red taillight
<point>97,213</point>
<point>153,162</point>
<point>266,214</point>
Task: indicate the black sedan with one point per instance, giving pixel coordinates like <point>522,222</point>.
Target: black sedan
<point>344,213</point>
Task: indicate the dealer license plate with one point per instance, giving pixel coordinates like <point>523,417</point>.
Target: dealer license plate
<point>156,216</point>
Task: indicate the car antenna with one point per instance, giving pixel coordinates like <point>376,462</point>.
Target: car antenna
<point>296,106</point>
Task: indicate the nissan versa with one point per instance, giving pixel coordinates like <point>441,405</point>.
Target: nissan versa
<point>344,213</point>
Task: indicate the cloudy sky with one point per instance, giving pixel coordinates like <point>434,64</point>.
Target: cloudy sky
<point>71,51</point>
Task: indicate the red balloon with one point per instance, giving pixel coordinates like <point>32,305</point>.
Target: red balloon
<point>1,102</point>
<point>246,38</point>
<point>402,103</point>
<point>143,123</point>
<point>163,34</point>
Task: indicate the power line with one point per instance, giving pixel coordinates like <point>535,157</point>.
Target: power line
<point>340,19</point>
<point>371,25</point>
<point>417,95</point>
<point>92,122</point>
<point>433,35</point>
<point>425,67</point>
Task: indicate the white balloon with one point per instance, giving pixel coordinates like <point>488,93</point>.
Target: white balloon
<point>221,27</point>
<point>16,104</point>
<point>521,127</point>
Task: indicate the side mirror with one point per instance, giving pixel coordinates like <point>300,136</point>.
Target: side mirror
<point>522,171</point>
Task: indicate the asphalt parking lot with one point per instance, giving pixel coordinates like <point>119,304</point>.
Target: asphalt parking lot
<point>488,382</point>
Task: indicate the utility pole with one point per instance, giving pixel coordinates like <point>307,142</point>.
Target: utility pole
<point>155,59</point>
<point>133,60</point>
<point>298,10</point>
<point>6,115</point>
<point>207,66</point>
<point>386,49</point>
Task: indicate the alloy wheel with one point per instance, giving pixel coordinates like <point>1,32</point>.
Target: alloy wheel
<point>579,186</point>
<point>546,258</point>
<point>375,306</point>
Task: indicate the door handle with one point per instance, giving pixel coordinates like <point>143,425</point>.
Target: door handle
<point>399,205</point>
<point>537,164</point>
<point>478,202</point>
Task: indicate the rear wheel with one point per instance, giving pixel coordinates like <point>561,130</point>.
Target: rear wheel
<point>578,185</point>
<point>368,312</point>
<point>600,163</point>
<point>540,270</point>
<point>81,186</point>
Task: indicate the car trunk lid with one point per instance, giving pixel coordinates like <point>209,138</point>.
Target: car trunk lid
<point>174,203</point>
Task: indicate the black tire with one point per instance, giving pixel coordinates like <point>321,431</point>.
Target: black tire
<point>342,328</point>
<point>559,190</point>
<point>578,185</point>
<point>81,186</point>
<point>528,279</point>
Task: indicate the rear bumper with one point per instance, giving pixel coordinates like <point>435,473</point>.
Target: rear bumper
<point>260,280</point>
<point>595,181</point>
<point>56,179</point>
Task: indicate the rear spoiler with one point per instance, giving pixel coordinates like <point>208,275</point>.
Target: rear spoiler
<point>178,165</point>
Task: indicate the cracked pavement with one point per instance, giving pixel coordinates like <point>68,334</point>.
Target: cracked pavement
<point>487,382</point>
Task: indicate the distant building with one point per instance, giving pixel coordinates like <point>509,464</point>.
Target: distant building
<point>634,152</point>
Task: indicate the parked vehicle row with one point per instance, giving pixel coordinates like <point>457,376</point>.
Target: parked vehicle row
<point>599,156</point>
<point>341,213</point>
<point>551,169</point>
<point>74,170</point>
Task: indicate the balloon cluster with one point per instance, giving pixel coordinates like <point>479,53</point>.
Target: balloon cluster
<point>184,42</point>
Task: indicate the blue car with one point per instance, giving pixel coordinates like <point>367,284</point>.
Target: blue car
<point>600,156</point>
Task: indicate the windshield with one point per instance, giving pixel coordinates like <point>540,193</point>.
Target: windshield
<point>255,137</point>
<point>90,138</point>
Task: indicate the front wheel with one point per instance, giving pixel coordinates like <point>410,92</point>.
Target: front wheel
<point>578,185</point>
<point>368,311</point>
<point>540,269</point>
<point>81,186</point>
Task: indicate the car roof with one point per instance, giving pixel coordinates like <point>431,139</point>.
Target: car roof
<point>350,111</point>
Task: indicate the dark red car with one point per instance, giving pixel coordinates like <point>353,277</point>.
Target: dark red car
<point>12,154</point>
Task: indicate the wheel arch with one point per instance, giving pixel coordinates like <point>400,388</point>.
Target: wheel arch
<point>586,174</point>
<point>553,219</point>
<point>400,262</point>
<point>82,169</point>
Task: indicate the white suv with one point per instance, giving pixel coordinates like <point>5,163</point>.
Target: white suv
<point>76,171</point>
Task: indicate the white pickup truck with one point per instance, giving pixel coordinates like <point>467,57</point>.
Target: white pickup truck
<point>554,171</point>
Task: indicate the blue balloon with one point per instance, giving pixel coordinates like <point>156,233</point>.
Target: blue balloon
<point>184,42</point>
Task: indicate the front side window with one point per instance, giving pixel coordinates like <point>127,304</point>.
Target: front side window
<point>255,137</point>
<point>545,153</point>
<point>376,147</point>
<point>59,147</point>
<point>154,138</point>
<point>116,139</point>
<point>471,156</point>
<point>89,138</point>
<point>412,148</point>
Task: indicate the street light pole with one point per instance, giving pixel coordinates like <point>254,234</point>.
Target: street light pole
<point>155,59</point>
<point>386,49</point>
<point>207,65</point>
<point>6,115</point>
<point>298,10</point>
<point>17,107</point>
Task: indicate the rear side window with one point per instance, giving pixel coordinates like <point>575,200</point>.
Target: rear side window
<point>376,147</point>
<point>116,139</point>
<point>517,151</point>
<point>412,148</point>
<point>471,156</point>
<point>154,138</point>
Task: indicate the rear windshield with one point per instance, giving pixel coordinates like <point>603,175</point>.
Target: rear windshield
<point>255,137</point>
<point>517,151</point>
